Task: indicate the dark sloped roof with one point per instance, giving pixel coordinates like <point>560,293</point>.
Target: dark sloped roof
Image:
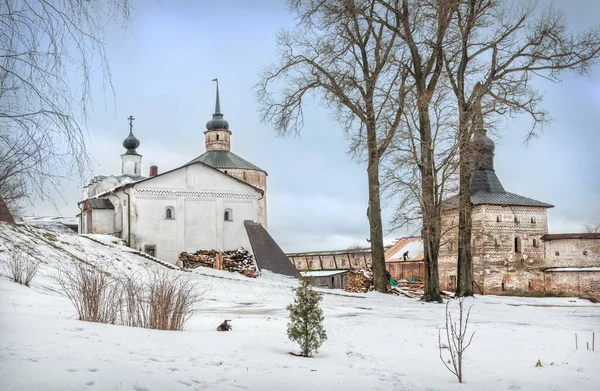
<point>225,159</point>
<point>485,180</point>
<point>549,237</point>
<point>496,198</point>
<point>100,203</point>
<point>267,253</point>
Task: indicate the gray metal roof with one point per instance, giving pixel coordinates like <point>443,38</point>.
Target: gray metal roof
<point>496,198</point>
<point>485,180</point>
<point>100,203</point>
<point>225,159</point>
<point>267,253</point>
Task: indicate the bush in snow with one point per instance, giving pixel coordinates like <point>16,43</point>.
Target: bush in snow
<point>94,293</point>
<point>458,341</point>
<point>306,319</point>
<point>163,301</point>
<point>20,267</point>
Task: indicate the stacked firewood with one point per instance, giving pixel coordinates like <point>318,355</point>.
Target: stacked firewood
<point>239,260</point>
<point>360,281</point>
<point>413,290</point>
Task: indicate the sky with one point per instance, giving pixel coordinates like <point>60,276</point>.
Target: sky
<point>162,65</point>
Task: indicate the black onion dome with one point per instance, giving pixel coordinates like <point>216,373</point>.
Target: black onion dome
<point>217,121</point>
<point>131,143</point>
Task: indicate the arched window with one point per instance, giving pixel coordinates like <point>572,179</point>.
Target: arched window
<point>228,215</point>
<point>533,220</point>
<point>517,245</point>
<point>170,213</point>
<point>535,243</point>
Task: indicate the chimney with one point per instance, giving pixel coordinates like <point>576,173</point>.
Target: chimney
<point>153,171</point>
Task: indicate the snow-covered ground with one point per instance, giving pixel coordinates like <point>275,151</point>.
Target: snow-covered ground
<point>376,342</point>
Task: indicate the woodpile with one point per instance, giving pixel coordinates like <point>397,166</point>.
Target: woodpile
<point>413,290</point>
<point>240,261</point>
<point>360,281</point>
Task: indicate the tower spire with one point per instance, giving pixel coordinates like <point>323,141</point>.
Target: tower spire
<point>217,122</point>
<point>218,101</point>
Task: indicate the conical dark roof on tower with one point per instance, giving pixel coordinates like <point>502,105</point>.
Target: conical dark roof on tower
<point>486,188</point>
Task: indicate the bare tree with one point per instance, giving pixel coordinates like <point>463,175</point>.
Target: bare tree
<point>591,228</point>
<point>457,339</point>
<point>493,52</point>
<point>422,26</point>
<point>45,47</point>
<point>355,67</point>
<point>402,180</point>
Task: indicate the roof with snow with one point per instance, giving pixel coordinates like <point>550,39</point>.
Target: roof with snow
<point>411,244</point>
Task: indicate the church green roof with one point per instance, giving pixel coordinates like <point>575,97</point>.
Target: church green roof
<point>225,159</point>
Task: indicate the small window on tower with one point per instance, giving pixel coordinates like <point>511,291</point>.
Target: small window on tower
<point>498,219</point>
<point>533,220</point>
<point>517,245</point>
<point>217,137</point>
<point>516,220</point>
<point>535,243</point>
<point>556,253</point>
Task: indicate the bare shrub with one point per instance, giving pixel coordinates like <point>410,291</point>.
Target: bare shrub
<point>169,300</point>
<point>456,335</point>
<point>95,295</point>
<point>20,267</point>
<point>162,301</point>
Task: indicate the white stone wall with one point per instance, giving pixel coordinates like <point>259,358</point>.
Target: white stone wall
<point>103,221</point>
<point>199,196</point>
<point>131,165</point>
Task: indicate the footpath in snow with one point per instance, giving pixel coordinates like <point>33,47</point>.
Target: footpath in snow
<point>376,342</point>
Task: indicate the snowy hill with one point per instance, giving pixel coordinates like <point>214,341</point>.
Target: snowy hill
<point>376,342</point>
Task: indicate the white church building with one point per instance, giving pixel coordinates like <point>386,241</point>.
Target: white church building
<point>217,201</point>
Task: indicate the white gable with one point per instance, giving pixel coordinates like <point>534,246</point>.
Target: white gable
<point>197,177</point>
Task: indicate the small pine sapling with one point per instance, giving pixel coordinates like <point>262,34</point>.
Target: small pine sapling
<point>306,319</point>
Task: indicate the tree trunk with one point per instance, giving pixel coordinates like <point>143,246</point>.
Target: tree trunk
<point>374,214</point>
<point>431,215</point>
<point>464,286</point>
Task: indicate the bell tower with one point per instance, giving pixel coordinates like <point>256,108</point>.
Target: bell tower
<point>217,136</point>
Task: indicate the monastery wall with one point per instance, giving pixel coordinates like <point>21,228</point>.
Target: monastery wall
<point>576,283</point>
<point>337,260</point>
<point>572,252</point>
